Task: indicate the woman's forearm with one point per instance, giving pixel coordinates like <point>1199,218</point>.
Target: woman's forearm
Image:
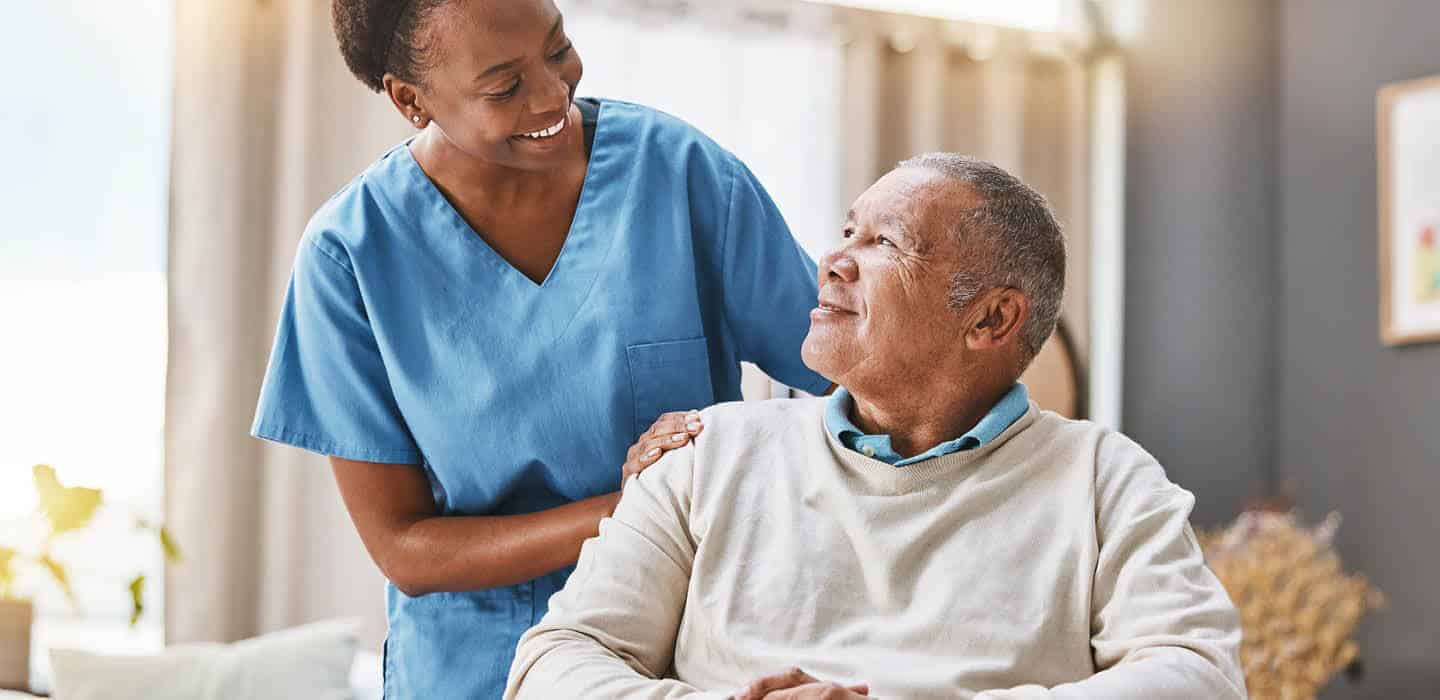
<point>462,553</point>
<point>422,552</point>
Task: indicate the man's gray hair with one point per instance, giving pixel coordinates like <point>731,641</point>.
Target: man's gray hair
<point>1014,223</point>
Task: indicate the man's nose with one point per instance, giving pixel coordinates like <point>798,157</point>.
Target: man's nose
<point>838,265</point>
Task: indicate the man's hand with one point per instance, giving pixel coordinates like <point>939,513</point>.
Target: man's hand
<point>796,684</point>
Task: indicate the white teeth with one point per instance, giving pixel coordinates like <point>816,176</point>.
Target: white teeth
<point>546,133</point>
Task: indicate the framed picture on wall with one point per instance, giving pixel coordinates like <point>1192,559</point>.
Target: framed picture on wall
<point>1408,119</point>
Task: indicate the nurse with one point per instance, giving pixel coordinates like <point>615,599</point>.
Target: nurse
<point>501,316</point>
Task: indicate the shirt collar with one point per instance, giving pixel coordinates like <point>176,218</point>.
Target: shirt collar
<point>1002,415</point>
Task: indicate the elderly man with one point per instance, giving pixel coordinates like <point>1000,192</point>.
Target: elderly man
<point>926,531</point>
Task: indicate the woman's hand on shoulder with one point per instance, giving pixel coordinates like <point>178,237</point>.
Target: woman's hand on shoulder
<point>670,431</point>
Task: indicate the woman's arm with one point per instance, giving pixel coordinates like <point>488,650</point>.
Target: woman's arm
<point>770,284</point>
<point>422,552</point>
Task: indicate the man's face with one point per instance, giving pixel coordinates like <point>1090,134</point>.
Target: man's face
<point>883,314</point>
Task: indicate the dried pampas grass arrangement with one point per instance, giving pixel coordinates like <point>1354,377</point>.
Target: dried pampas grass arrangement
<point>1298,608</point>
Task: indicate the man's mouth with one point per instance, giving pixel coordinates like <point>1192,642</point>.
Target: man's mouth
<point>547,132</point>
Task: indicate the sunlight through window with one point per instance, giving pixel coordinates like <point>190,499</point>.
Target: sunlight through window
<point>1034,15</point>
<point>82,295</point>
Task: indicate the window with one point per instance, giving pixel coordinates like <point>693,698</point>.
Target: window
<point>1035,15</point>
<point>82,298</point>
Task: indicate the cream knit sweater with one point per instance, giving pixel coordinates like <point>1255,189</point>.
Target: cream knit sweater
<point>1055,562</point>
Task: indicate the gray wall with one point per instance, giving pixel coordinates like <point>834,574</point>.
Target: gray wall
<point>1200,258</point>
<point>1251,340</point>
<point>1358,423</point>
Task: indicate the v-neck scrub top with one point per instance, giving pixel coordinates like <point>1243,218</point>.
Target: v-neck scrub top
<point>405,338</point>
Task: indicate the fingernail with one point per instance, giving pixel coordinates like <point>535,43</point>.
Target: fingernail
<point>678,437</point>
<point>692,427</point>
<point>653,452</point>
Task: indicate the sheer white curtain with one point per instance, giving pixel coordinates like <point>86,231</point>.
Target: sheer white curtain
<point>268,124</point>
<point>761,78</point>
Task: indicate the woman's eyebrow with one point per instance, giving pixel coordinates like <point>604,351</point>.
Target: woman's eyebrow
<point>499,68</point>
<point>512,63</point>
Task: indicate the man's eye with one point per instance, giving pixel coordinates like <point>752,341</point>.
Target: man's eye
<point>885,241</point>
<point>847,233</point>
<point>562,53</point>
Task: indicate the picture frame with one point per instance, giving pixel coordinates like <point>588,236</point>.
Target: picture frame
<point>1408,151</point>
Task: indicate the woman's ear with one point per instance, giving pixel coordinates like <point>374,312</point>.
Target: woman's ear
<point>406,100</point>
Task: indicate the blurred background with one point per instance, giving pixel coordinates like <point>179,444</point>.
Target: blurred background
<point>1214,163</point>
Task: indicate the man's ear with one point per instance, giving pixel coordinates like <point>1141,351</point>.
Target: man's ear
<point>995,319</point>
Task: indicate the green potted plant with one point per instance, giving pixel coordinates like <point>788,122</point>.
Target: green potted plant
<point>65,510</point>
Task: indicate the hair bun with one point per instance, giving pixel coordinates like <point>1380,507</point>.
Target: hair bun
<point>355,30</point>
<point>370,31</point>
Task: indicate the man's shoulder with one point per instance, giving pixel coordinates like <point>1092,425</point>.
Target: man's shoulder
<point>1113,455</point>
<point>737,418</point>
<point>1042,430</point>
<point>1121,476</point>
<point>743,436</point>
<point>1066,428</point>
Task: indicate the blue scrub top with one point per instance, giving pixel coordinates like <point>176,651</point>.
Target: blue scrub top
<point>405,338</point>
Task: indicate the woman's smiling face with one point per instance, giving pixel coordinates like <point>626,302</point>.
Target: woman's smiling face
<point>499,81</point>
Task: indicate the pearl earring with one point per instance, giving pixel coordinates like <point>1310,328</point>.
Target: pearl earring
<point>415,119</point>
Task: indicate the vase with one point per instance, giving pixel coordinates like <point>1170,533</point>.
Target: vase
<point>15,619</point>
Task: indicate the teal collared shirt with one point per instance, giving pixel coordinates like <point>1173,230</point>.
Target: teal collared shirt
<point>1002,415</point>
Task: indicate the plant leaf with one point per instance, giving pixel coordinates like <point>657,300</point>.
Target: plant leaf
<point>167,543</point>
<point>137,599</point>
<point>67,507</point>
<point>61,576</point>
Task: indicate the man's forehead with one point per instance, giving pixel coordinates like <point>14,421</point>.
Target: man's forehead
<point>910,199</point>
<point>881,214</point>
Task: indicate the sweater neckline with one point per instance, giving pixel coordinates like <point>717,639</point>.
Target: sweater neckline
<point>885,479</point>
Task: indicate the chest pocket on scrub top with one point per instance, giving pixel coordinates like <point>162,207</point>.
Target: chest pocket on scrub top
<point>669,376</point>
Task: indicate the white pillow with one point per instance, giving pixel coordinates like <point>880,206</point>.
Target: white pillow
<point>367,677</point>
<point>313,661</point>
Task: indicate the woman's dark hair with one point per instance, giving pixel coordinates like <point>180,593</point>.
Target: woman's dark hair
<point>384,36</point>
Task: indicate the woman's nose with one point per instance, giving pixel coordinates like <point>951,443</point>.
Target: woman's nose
<point>554,97</point>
